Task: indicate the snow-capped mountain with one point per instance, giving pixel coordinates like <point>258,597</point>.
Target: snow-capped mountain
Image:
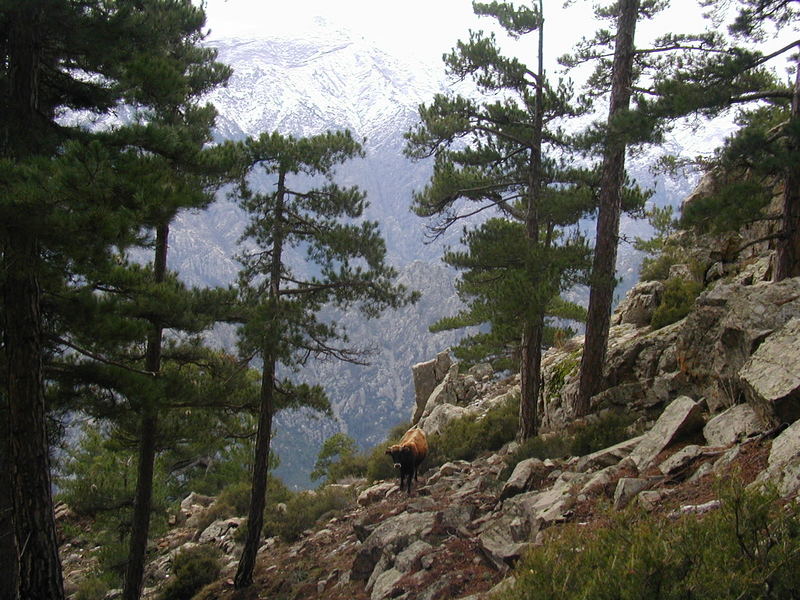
<point>331,81</point>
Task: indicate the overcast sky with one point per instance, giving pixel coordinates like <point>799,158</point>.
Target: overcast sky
<point>421,29</point>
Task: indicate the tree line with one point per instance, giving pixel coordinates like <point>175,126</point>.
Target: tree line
<point>87,330</point>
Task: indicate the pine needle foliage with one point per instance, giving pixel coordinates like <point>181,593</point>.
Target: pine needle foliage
<point>503,166</point>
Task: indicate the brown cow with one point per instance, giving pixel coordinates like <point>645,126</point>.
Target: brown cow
<point>408,454</point>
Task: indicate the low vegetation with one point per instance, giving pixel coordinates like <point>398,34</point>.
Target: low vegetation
<point>748,549</point>
<point>676,303</point>
<point>192,569</point>
<point>607,430</point>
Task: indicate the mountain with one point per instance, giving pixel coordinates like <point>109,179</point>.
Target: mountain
<point>330,81</point>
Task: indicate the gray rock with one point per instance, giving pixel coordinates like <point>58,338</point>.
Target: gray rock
<point>427,375</point>
<point>384,584</point>
<point>771,376</point>
<point>627,489</point>
<point>785,447</point>
<point>649,499</point>
<point>376,493</point>
<point>220,533</point>
<point>732,425</point>
<point>682,417</point>
<point>728,323</point>
<point>392,535</point>
<point>441,415</point>
<point>608,456</point>
<point>680,460</point>
<point>409,559</point>
<point>522,477</point>
<point>195,499</point>
<point>481,371</point>
<point>639,303</point>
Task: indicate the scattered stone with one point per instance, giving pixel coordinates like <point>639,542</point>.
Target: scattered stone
<point>771,376</point>
<point>681,418</point>
<point>627,489</point>
<point>649,499</point>
<point>695,509</point>
<point>680,460</point>
<point>608,456</point>
<point>524,474</point>
<point>732,425</point>
<point>375,493</point>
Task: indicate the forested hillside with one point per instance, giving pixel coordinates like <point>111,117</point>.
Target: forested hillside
<point>112,148</point>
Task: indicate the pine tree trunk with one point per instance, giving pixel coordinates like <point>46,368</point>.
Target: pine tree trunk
<point>258,491</point>
<point>601,296</point>
<point>531,345</point>
<point>39,567</point>
<point>142,505</point>
<point>787,256</point>
<point>8,544</point>
<point>34,524</point>
<point>530,377</point>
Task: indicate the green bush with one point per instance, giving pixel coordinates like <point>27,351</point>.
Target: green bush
<point>748,549</point>
<point>304,509</point>
<point>609,429</point>
<point>676,303</point>
<point>466,438</point>
<point>193,569</point>
<point>92,588</point>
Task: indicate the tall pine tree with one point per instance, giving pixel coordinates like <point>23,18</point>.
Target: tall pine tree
<point>603,281</point>
<point>509,157</point>
<point>344,267</point>
<point>68,196</point>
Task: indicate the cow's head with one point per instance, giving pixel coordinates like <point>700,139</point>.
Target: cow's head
<point>399,454</point>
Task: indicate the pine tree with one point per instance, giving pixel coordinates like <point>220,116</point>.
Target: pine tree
<point>176,113</point>
<point>344,267</point>
<point>509,157</point>
<point>725,74</point>
<point>69,195</point>
<point>598,318</point>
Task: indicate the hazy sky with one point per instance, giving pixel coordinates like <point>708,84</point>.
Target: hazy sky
<point>422,29</point>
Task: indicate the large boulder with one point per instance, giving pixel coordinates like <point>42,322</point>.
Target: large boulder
<point>732,425</point>
<point>771,377</point>
<point>441,415</point>
<point>681,418</point>
<point>388,539</point>
<point>727,325</point>
<point>783,466</point>
<point>427,375</point>
<point>524,474</point>
<point>639,304</point>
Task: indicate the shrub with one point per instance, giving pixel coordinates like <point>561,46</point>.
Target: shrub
<point>193,568</point>
<point>304,509</point>
<point>91,588</point>
<point>676,303</point>
<point>609,429</point>
<point>468,437</point>
<point>749,549</point>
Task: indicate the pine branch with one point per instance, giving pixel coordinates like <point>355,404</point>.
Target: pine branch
<point>100,358</point>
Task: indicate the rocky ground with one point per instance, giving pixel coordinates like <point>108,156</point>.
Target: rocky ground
<point>462,529</point>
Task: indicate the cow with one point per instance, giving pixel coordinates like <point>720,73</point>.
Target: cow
<point>408,454</point>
